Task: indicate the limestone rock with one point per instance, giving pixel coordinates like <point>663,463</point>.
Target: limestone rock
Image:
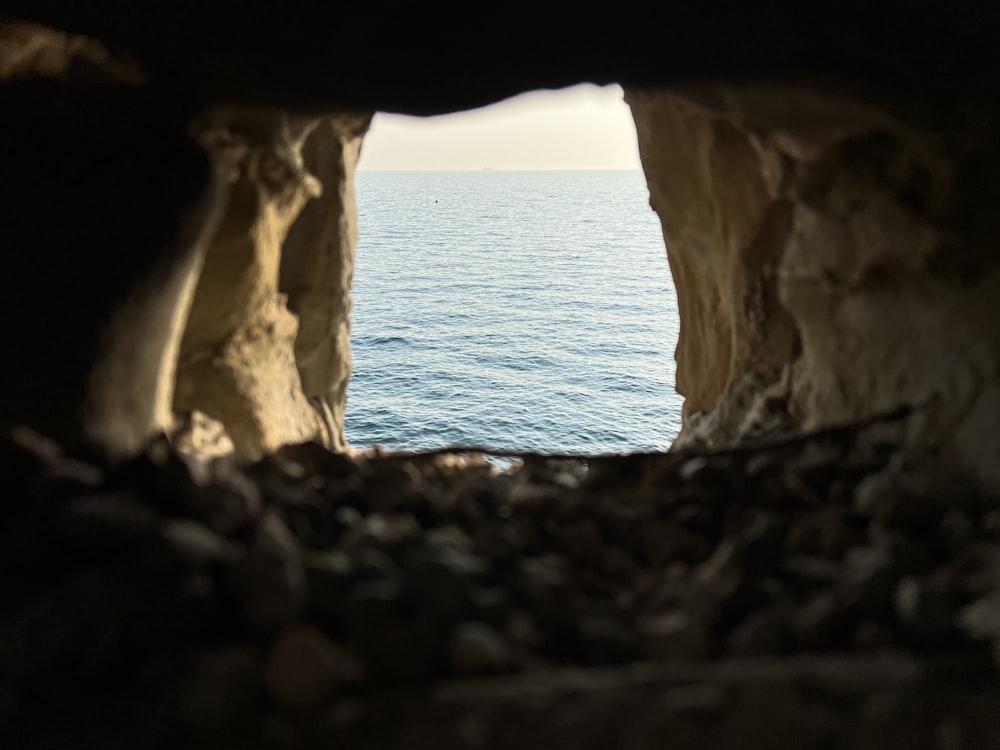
<point>317,268</point>
<point>271,296</point>
<point>830,266</point>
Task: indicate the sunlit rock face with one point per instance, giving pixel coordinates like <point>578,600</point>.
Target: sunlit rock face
<point>253,355</point>
<point>832,263</point>
<point>197,264</point>
<point>317,268</point>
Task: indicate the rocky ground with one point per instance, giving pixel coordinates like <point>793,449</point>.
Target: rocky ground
<point>822,592</point>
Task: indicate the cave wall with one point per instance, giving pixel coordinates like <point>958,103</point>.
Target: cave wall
<point>108,209</point>
<point>832,263</point>
<point>197,264</point>
<point>266,349</point>
<point>317,269</point>
<point>825,187</point>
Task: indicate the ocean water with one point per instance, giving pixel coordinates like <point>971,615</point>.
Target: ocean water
<point>515,310</point>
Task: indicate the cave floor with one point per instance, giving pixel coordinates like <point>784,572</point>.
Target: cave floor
<point>821,592</point>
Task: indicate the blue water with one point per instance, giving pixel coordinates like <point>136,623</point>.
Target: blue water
<point>516,310</point>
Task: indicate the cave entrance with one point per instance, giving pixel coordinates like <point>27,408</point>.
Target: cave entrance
<point>511,287</point>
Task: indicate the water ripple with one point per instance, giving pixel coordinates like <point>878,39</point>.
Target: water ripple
<point>524,310</point>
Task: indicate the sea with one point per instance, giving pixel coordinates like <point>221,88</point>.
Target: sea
<point>515,310</point>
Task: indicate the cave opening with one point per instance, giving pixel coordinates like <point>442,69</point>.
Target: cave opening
<point>511,288</point>
<point>834,586</point>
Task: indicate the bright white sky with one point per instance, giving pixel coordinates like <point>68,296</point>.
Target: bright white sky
<point>583,127</point>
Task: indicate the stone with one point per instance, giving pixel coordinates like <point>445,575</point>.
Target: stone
<point>924,609</point>
<point>271,588</point>
<point>442,580</point>
<point>109,525</point>
<point>606,640</point>
<point>871,572</point>
<point>304,669</point>
<point>228,499</point>
<point>205,609</point>
<point>763,633</point>
<point>490,605</point>
<point>825,534</point>
<point>500,543</point>
<point>220,689</point>
<point>619,563</point>
<point>673,637</point>
<point>328,576</point>
<point>63,475</point>
<point>197,544</point>
<point>545,581</point>
<point>665,541</point>
<point>315,458</point>
<point>820,623</point>
<point>582,540</point>
<point>981,620</point>
<point>476,649</point>
<point>387,532</point>
<point>196,434</point>
<point>273,536</point>
<point>373,607</point>
<point>759,544</point>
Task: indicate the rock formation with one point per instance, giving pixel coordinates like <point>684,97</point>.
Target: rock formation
<point>110,208</point>
<point>827,219</point>
<point>252,356</point>
<point>196,302</point>
<point>178,246</point>
<point>831,261</point>
<point>317,266</point>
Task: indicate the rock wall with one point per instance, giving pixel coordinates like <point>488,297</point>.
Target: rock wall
<point>250,346</point>
<point>171,300</point>
<point>832,262</point>
<point>317,268</point>
<point>826,190</point>
<point>108,210</point>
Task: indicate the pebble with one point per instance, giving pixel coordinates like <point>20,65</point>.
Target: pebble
<point>198,544</point>
<point>271,588</point>
<point>220,688</point>
<point>313,582</point>
<point>672,637</point>
<point>476,649</point>
<point>304,669</point>
<point>582,540</point>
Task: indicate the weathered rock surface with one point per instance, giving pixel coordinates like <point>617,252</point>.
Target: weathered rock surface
<point>831,263</point>
<point>245,354</point>
<point>317,268</point>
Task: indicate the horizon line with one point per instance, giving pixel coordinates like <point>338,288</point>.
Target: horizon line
<point>507,169</point>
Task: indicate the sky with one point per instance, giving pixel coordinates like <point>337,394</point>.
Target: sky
<point>581,127</point>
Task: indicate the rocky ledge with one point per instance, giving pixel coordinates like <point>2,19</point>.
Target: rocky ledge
<point>823,592</point>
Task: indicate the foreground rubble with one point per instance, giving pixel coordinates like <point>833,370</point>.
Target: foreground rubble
<point>823,592</point>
